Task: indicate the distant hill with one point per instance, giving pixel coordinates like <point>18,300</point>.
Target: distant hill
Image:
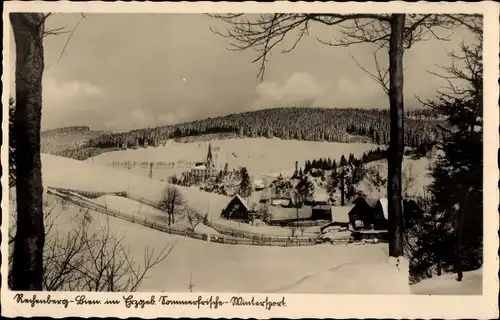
<point>66,130</point>
<point>61,141</point>
<point>310,124</point>
<point>342,125</point>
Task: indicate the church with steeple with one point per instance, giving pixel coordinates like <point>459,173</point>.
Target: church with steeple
<point>210,163</point>
<point>206,169</point>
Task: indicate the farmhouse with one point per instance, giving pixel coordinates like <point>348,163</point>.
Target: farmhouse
<point>237,209</point>
<point>371,213</point>
<point>374,214</point>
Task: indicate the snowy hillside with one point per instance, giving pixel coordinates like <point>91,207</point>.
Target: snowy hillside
<point>415,178</point>
<point>65,173</point>
<point>259,155</point>
<point>59,172</point>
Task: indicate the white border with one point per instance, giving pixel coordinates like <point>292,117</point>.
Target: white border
<point>298,305</point>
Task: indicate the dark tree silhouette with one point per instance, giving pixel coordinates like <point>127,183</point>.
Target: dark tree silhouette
<point>28,31</point>
<point>245,184</point>
<point>171,202</point>
<point>458,187</point>
<point>12,143</point>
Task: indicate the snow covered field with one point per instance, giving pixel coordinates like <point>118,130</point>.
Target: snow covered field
<point>260,156</point>
<point>65,173</point>
<point>228,268</point>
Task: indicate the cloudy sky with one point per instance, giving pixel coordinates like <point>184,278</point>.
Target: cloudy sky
<point>124,71</point>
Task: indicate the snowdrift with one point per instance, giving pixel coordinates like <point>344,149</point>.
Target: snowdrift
<point>386,276</point>
<point>447,284</point>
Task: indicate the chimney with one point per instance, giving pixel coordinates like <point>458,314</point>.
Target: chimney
<point>296,166</point>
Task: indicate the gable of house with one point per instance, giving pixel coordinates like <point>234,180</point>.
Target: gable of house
<point>237,204</point>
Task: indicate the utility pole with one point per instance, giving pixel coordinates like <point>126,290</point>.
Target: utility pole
<point>128,189</point>
<point>342,188</point>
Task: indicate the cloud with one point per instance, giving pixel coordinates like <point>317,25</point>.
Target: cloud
<point>362,92</point>
<point>63,91</point>
<point>67,103</point>
<point>300,88</point>
<point>303,89</point>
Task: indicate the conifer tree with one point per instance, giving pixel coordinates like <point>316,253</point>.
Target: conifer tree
<point>245,184</point>
<point>343,161</point>
<point>453,237</point>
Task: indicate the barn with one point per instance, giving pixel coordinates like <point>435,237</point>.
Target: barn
<point>339,216</point>
<point>236,209</point>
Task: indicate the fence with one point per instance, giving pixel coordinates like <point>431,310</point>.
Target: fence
<point>253,236</point>
<point>80,200</point>
<point>148,164</point>
<point>89,194</point>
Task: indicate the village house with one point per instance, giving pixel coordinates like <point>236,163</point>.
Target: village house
<point>236,209</point>
<point>373,213</point>
<point>367,213</point>
<point>259,185</point>
<point>284,202</point>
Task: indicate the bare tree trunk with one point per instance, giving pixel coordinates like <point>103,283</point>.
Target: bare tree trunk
<point>459,227</point>
<point>30,236</point>
<point>396,144</point>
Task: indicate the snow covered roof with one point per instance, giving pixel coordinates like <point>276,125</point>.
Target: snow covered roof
<point>321,196</point>
<point>322,207</point>
<point>281,201</point>
<point>242,201</point>
<point>385,209</point>
<point>341,214</point>
<point>200,167</point>
<point>384,203</point>
<point>371,202</point>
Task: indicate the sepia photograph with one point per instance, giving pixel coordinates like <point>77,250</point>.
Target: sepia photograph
<point>245,153</point>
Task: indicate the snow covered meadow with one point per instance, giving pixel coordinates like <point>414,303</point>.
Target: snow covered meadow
<point>261,156</point>
<point>216,267</point>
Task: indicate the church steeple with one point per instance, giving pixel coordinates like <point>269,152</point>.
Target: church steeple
<point>210,159</point>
